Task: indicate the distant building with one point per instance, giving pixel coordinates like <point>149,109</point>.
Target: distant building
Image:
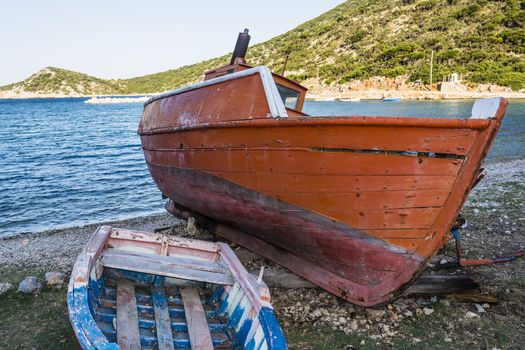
<point>454,77</point>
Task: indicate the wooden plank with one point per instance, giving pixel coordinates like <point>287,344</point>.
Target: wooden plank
<point>301,161</point>
<point>441,284</point>
<point>426,284</point>
<point>200,337</point>
<point>176,261</point>
<point>128,337</point>
<point>162,318</point>
<point>338,183</point>
<point>401,138</point>
<point>365,200</point>
<point>159,268</point>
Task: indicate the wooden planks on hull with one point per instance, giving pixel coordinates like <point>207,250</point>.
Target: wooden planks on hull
<point>396,138</point>
<point>300,161</point>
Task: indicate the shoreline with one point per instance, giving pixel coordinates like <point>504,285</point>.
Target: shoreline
<point>409,95</point>
<point>412,95</point>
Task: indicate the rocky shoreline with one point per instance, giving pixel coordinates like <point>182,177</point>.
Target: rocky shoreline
<point>496,215</point>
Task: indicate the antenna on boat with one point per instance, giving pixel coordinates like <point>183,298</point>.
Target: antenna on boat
<point>241,47</point>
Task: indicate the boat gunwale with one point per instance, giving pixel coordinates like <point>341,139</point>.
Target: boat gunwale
<point>394,121</point>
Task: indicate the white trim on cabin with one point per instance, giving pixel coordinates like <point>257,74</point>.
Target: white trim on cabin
<point>275,103</point>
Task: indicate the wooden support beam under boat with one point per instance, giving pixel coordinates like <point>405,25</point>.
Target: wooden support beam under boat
<point>200,337</point>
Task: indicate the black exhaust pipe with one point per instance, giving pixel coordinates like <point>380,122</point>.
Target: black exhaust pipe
<point>241,47</point>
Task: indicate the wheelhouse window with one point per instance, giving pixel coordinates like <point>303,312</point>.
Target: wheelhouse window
<point>290,97</point>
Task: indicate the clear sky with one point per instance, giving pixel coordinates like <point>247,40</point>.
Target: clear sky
<point>123,39</point>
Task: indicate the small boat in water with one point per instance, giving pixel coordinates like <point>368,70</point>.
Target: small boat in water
<point>355,204</point>
<point>391,99</point>
<point>136,290</point>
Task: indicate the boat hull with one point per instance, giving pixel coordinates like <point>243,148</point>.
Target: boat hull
<point>357,205</point>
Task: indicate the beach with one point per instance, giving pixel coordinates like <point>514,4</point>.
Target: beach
<point>495,212</point>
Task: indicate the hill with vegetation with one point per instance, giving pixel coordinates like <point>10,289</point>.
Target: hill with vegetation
<point>63,82</point>
<point>483,41</point>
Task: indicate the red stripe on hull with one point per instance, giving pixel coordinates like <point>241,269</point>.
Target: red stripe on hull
<point>346,261</point>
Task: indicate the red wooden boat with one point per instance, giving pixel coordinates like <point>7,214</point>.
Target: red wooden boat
<point>355,204</point>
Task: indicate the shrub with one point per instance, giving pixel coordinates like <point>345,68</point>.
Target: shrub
<point>426,5</point>
<point>468,11</point>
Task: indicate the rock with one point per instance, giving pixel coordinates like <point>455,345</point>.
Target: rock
<point>54,278</point>
<point>5,287</point>
<point>354,325</point>
<point>471,315</point>
<point>30,285</point>
<point>191,227</point>
<point>479,308</point>
<point>428,311</point>
<point>448,340</point>
<point>444,302</point>
<point>375,315</point>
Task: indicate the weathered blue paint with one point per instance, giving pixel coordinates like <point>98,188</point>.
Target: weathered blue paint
<point>240,339</point>
<point>236,316</point>
<point>250,345</point>
<point>158,281</point>
<point>273,333</point>
<point>216,295</point>
<point>151,340</point>
<point>87,331</point>
<point>223,306</point>
<point>132,275</point>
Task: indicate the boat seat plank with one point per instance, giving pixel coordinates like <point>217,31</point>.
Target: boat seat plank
<point>127,316</point>
<point>162,318</point>
<point>199,332</point>
<point>196,264</point>
<point>133,262</point>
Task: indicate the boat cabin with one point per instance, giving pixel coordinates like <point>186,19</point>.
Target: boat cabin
<point>292,94</point>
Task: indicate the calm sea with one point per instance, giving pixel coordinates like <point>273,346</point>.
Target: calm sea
<point>65,163</point>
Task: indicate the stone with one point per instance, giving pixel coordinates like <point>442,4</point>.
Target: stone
<point>479,308</point>
<point>354,325</point>
<point>428,311</point>
<point>448,340</point>
<point>54,278</point>
<point>29,285</point>
<point>191,227</point>
<point>444,302</point>
<point>5,287</point>
<point>471,315</point>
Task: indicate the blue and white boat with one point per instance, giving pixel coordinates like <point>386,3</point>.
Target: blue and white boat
<point>391,99</point>
<point>136,290</point>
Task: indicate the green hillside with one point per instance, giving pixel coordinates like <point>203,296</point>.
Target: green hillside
<point>52,80</point>
<point>482,40</point>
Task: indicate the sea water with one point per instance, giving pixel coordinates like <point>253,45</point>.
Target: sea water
<point>65,163</point>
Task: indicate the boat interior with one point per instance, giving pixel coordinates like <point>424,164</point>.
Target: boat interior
<point>150,291</point>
